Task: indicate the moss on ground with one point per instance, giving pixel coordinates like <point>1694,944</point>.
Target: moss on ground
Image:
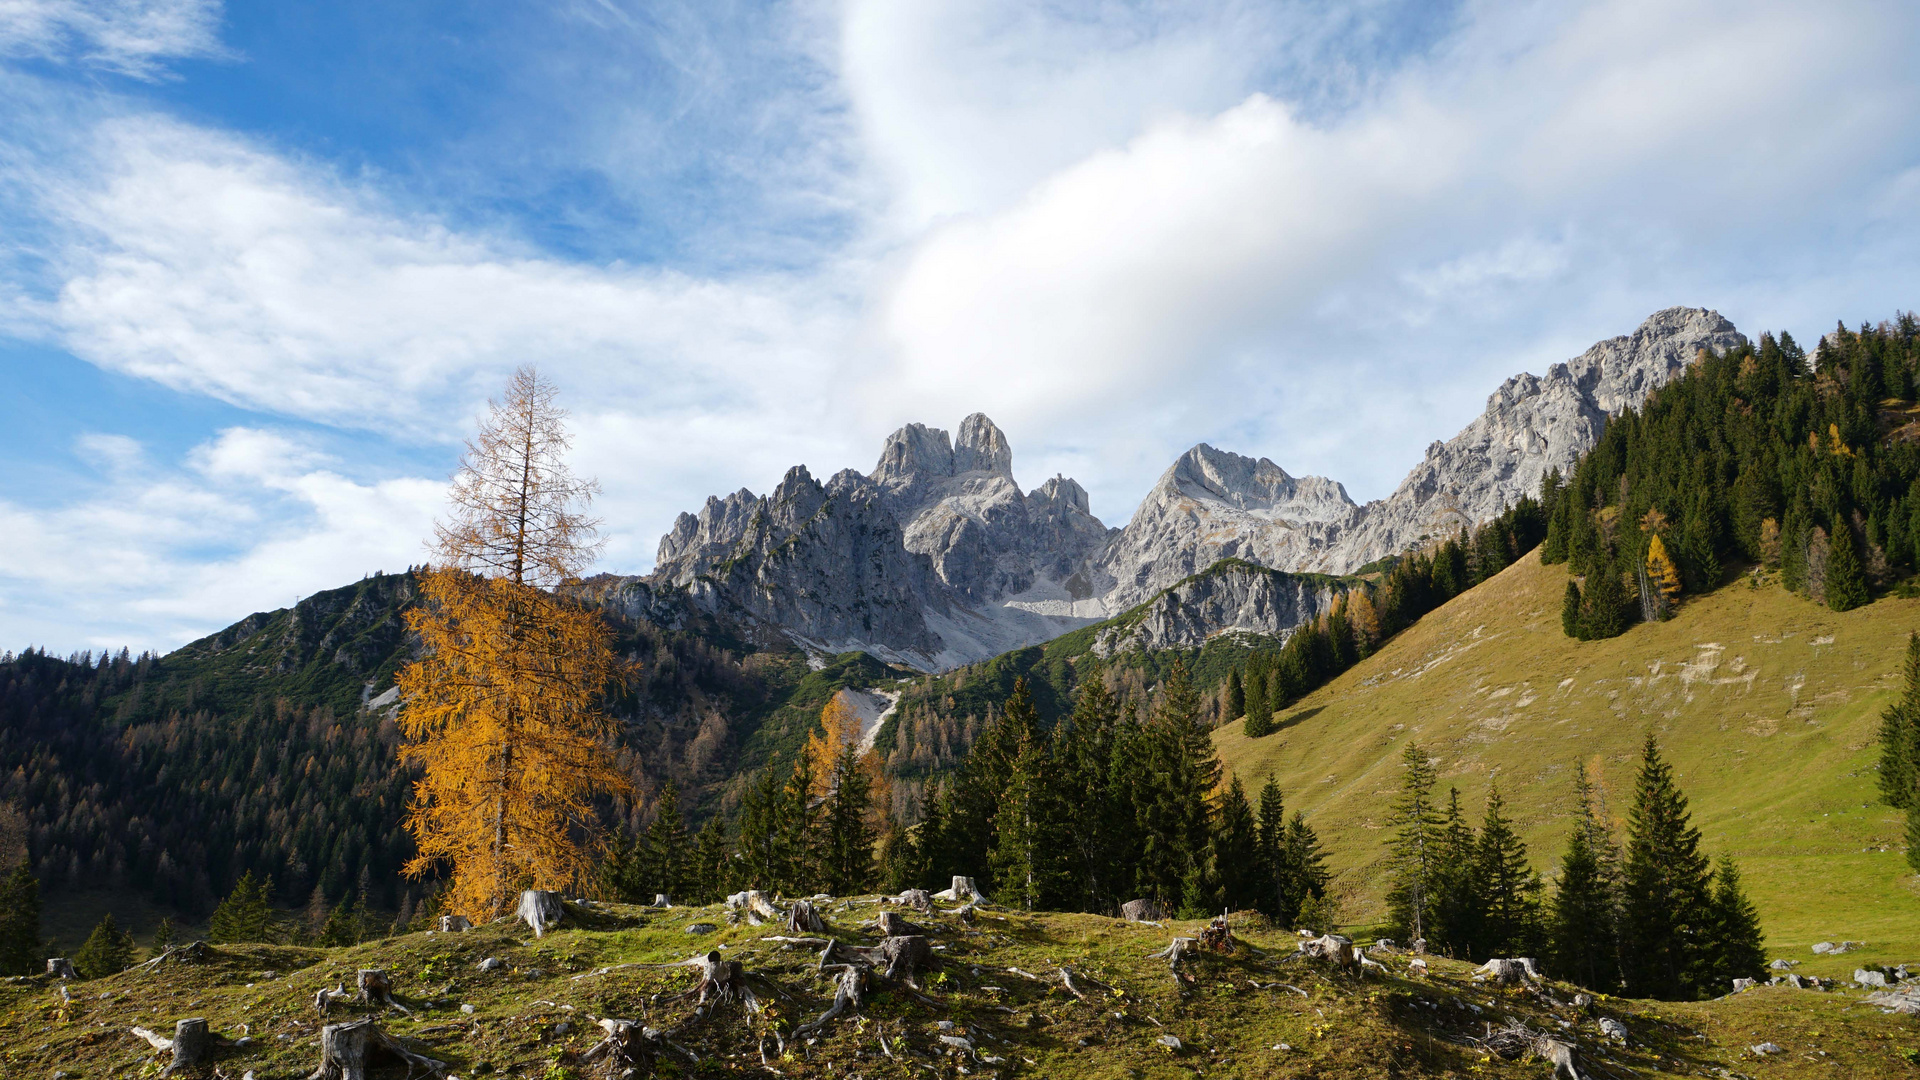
<point>997,984</point>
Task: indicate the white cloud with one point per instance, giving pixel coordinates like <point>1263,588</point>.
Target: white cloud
<point>154,556</point>
<point>132,37</point>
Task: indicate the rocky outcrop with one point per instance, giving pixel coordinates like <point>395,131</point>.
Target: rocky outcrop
<point>1229,597</point>
<point>937,557</point>
<point>1532,424</point>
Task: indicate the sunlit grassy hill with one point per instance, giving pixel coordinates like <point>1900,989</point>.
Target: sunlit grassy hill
<point>1767,704</point>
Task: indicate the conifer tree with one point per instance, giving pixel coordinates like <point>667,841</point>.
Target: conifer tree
<point>244,916</point>
<point>1585,914</point>
<point>1236,850</point>
<point>1738,946</point>
<point>340,928</point>
<point>1085,760</point>
<point>1603,603</point>
<point>1846,578</point>
<point>1170,793</point>
<point>665,854</point>
<point>1662,575</point>
<point>1259,707</point>
<point>899,859</point>
<point>1271,829</point>
<point>21,949</point>
<point>502,710</point>
<point>1667,929</point>
<point>798,867</point>
<point>932,844</point>
<point>1303,872</point>
<point>1509,890</point>
<point>712,875</point>
<point>847,850</point>
<point>762,857</point>
<point>1414,860</point>
<point>163,936</point>
<point>1570,611</point>
<point>1900,742</point>
<point>1457,902</point>
<point>108,951</point>
<point>1236,695</point>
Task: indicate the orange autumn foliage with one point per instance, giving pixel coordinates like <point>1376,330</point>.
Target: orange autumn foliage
<point>502,711</point>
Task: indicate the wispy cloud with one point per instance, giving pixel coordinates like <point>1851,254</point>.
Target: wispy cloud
<point>132,37</point>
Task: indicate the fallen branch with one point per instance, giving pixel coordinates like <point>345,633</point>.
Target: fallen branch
<point>1066,979</point>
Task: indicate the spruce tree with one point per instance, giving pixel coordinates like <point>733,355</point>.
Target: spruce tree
<point>340,928</point>
<point>1030,858</point>
<point>1271,827</point>
<point>1584,918</point>
<point>1259,707</point>
<point>1603,603</point>
<point>1667,928</point>
<point>1457,903</point>
<point>847,848</point>
<point>1236,850</point>
<point>1846,578</point>
<point>1303,871</point>
<point>21,950</point>
<point>798,867</point>
<point>761,857</point>
<point>1509,890</point>
<point>1096,823</point>
<point>712,876</point>
<point>1170,794</point>
<point>1414,860</point>
<point>1738,951</point>
<point>108,951</point>
<point>244,916</point>
<point>1570,611</point>
<point>1900,737</point>
<point>665,850</point>
<point>163,936</point>
<point>1236,696</point>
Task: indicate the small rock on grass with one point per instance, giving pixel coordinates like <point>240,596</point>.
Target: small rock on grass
<point>1767,1048</point>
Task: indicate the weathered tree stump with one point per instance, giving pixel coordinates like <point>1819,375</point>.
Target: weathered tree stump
<point>61,968</point>
<point>660,900</point>
<point>1564,1056</point>
<point>1331,948</point>
<point>626,1047</point>
<point>377,989</point>
<point>191,1045</point>
<point>1176,951</point>
<point>756,905</point>
<point>540,909</point>
<point>1509,972</point>
<point>893,925</point>
<point>454,924</point>
<point>917,899</point>
<point>803,919</point>
<point>1218,936</point>
<point>906,956</point>
<point>963,890</point>
<point>348,1050</point>
<point>1142,911</point>
<point>849,988</point>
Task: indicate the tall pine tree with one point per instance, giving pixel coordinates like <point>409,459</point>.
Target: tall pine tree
<point>1738,945</point>
<point>21,949</point>
<point>1668,923</point>
<point>1414,862</point>
<point>1509,891</point>
<point>1584,928</point>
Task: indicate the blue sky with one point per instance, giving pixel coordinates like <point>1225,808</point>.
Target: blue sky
<point>263,263</point>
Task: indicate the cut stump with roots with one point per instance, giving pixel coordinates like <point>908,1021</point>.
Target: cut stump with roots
<point>892,924</point>
<point>454,924</point>
<point>803,919</point>
<point>348,1050</point>
<point>376,988</point>
<point>963,890</point>
<point>540,909</point>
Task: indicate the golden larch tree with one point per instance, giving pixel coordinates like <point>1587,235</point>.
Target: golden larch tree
<point>502,710</point>
<point>1661,572</point>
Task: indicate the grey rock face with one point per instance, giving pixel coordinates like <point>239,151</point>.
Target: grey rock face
<point>937,557</point>
<point>1231,597</point>
<point>1532,424</point>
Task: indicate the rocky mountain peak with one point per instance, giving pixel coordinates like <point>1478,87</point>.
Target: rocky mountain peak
<point>982,447</point>
<point>1256,485</point>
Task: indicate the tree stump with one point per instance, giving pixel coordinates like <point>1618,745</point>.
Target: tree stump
<point>61,968</point>
<point>893,925</point>
<point>324,998</point>
<point>454,924</point>
<point>191,1045</point>
<point>540,910</point>
<point>1565,1058</point>
<point>917,899</point>
<point>377,989</point>
<point>1218,936</point>
<point>759,909</point>
<point>963,890</point>
<point>849,988</point>
<point>1332,948</point>
<point>905,957</point>
<point>348,1050</point>
<point>625,1048</point>
<point>1508,972</point>
<point>1142,911</point>
<point>803,919</point>
<point>1176,951</point>
<point>660,900</point>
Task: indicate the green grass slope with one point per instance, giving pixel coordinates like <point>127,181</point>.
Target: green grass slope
<point>997,984</point>
<point>1767,704</point>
